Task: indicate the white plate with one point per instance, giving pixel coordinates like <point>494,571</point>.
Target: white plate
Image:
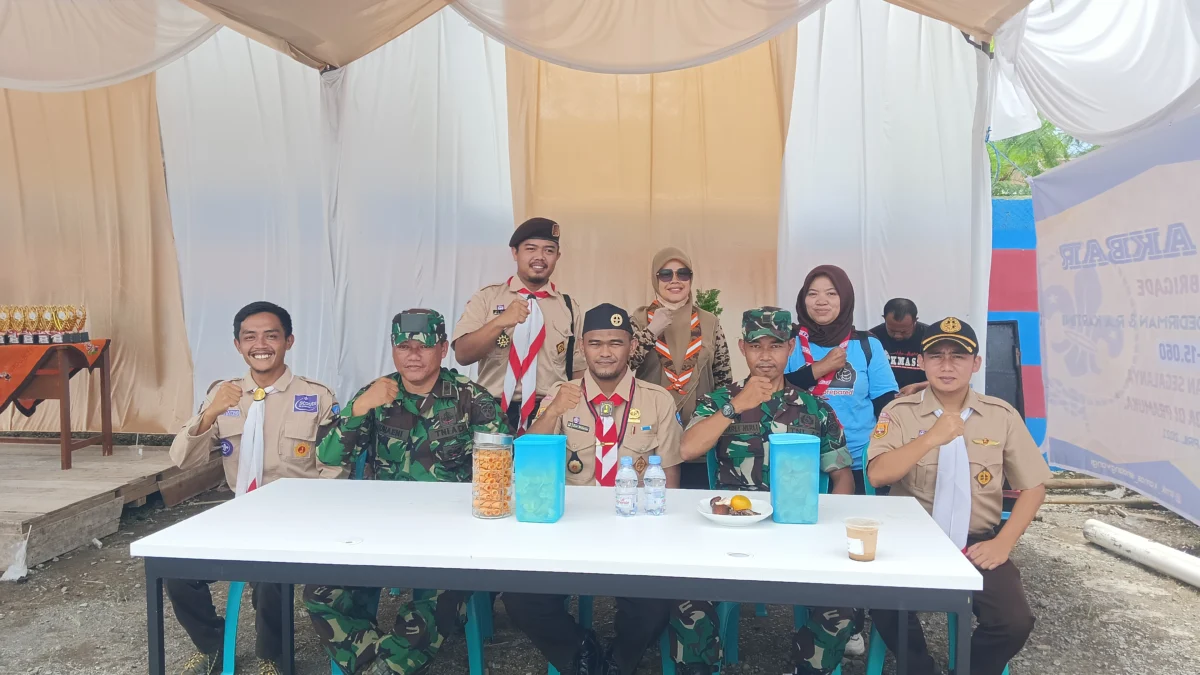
<point>760,506</point>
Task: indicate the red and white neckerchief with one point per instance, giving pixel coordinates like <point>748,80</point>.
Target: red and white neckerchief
<point>608,437</point>
<point>677,382</point>
<point>823,383</point>
<point>527,341</point>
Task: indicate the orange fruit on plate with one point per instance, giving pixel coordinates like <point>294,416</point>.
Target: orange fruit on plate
<point>739,503</point>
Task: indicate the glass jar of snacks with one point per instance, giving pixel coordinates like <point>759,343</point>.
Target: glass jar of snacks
<point>492,476</point>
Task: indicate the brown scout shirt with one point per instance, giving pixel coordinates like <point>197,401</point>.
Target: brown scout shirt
<point>653,428</point>
<point>490,301</point>
<point>998,446</point>
<point>298,416</point>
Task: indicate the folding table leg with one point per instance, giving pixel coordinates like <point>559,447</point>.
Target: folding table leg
<point>963,648</point>
<point>64,407</point>
<point>106,401</point>
<point>154,624</point>
<point>287,629</point>
<point>902,649</point>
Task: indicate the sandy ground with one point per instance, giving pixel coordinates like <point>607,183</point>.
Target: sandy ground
<point>85,612</point>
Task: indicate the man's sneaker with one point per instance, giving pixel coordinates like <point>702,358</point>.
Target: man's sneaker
<point>856,646</point>
<point>268,667</point>
<point>379,667</point>
<point>591,657</point>
<point>202,664</point>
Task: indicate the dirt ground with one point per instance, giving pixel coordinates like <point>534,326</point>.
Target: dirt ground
<point>1098,613</point>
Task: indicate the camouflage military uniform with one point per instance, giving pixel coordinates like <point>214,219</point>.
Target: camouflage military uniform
<point>414,438</point>
<point>743,458</point>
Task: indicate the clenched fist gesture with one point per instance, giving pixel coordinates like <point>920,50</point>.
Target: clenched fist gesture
<point>516,313</point>
<point>660,322</point>
<point>947,428</point>
<point>381,392</point>
<point>758,390</point>
<point>832,362</point>
<point>568,397</point>
<point>228,396</point>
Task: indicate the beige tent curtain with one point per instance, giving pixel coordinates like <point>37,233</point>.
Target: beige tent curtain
<point>84,218</point>
<point>631,163</point>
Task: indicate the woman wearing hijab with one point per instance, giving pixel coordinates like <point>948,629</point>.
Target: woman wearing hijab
<point>847,368</point>
<point>679,346</point>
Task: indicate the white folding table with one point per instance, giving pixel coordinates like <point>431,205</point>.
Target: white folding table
<point>422,535</point>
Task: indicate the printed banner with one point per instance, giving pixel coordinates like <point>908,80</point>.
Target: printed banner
<point>1119,285</point>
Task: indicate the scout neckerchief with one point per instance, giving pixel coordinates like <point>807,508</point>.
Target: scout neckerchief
<point>679,377</point>
<point>952,491</point>
<point>250,459</point>
<point>608,439</point>
<point>527,341</point>
<point>823,383</point>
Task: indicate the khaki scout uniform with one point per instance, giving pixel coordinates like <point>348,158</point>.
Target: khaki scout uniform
<point>998,446</point>
<point>653,428</point>
<point>297,417</point>
<point>490,301</point>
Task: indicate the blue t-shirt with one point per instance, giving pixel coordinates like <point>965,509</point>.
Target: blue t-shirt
<point>852,389</point>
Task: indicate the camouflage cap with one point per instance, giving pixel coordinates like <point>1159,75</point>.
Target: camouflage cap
<point>423,325</point>
<point>767,322</point>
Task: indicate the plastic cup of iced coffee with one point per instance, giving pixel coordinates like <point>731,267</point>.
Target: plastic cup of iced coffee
<point>862,535</point>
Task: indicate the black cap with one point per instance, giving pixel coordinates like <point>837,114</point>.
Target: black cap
<point>951,329</point>
<point>534,228</point>
<point>606,317</point>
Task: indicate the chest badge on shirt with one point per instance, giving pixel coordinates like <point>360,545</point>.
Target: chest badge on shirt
<point>499,309</point>
<point>575,465</point>
<point>986,442</point>
<point>577,425</point>
<point>562,347</point>
<point>232,412</point>
<point>503,341</point>
<point>635,415</point>
<point>301,450</point>
<point>606,410</point>
<point>305,403</point>
<point>640,464</point>
<point>226,447</point>
<point>881,430</point>
<point>984,478</point>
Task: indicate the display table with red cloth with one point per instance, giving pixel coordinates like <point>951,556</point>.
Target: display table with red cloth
<point>30,374</point>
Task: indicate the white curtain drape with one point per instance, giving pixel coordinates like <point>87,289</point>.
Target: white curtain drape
<point>1101,71</point>
<point>63,45</point>
<point>631,36</point>
<point>423,200</point>
<point>345,197</point>
<point>884,169</point>
<point>241,130</point>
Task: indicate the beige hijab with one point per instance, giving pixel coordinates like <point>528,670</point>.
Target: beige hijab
<point>679,333</point>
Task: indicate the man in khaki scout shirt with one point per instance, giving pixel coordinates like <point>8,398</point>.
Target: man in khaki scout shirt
<point>523,332</point>
<point>295,413</point>
<point>952,449</point>
<point>609,414</point>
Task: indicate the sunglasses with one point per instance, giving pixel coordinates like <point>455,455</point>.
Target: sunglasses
<point>682,274</point>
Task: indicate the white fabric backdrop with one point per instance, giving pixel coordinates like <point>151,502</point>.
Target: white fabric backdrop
<point>884,169</point>
<point>424,200</point>
<point>342,200</point>
<point>53,45</point>
<point>1101,71</point>
<point>241,130</point>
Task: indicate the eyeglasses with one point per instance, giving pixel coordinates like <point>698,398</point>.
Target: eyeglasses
<point>682,274</point>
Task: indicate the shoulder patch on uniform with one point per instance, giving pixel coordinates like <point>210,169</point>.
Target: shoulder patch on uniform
<point>305,403</point>
<point>881,430</point>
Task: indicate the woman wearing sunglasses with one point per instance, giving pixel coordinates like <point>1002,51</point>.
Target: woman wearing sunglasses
<point>679,346</point>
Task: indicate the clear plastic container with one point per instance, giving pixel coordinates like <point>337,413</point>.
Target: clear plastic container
<point>492,476</point>
<point>541,478</point>
<point>795,477</point>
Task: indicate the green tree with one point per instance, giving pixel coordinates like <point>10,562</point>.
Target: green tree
<point>707,301</point>
<point>1014,160</point>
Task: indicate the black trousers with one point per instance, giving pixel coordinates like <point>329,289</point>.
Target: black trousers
<point>556,634</point>
<point>1005,622</point>
<point>194,608</point>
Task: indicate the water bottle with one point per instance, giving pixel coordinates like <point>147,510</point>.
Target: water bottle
<point>655,480</point>
<point>627,488</point>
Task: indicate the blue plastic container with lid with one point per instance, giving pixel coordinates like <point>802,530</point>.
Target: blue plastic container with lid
<point>540,478</point>
<point>795,466</point>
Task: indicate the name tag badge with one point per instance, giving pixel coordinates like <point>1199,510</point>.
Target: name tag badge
<point>305,403</point>
<point>447,432</point>
<point>751,428</point>
<point>232,412</point>
<point>577,425</point>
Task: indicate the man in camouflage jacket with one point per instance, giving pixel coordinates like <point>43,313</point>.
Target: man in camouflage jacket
<point>416,424</point>
<point>734,422</point>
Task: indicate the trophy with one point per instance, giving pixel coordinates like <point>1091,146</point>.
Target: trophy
<point>5,313</point>
<point>45,323</point>
<point>78,334</point>
<point>29,325</point>
<point>62,318</point>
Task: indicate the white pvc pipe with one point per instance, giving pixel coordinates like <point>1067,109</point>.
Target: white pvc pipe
<point>1152,554</point>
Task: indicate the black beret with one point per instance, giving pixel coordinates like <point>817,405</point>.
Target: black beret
<point>606,317</point>
<point>534,228</point>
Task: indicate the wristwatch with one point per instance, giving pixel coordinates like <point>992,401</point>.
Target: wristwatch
<point>728,411</point>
